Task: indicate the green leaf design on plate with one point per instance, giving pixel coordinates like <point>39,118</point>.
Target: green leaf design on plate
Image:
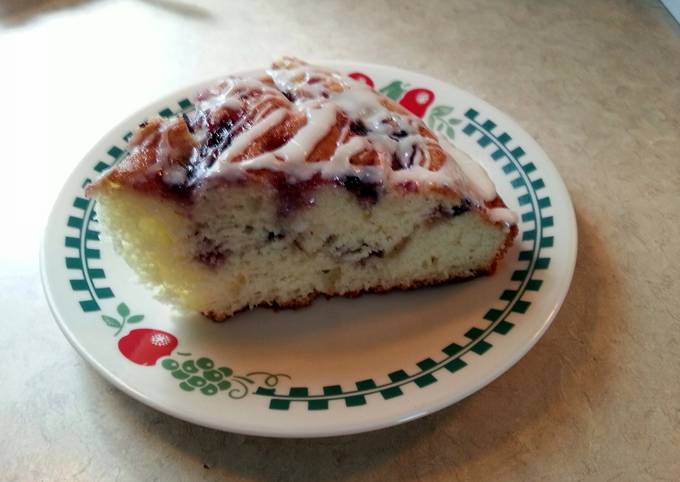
<point>135,319</point>
<point>123,310</point>
<point>437,120</point>
<point>394,90</point>
<point>441,111</point>
<point>112,322</point>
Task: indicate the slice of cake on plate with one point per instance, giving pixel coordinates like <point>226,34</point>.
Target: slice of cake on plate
<point>296,184</point>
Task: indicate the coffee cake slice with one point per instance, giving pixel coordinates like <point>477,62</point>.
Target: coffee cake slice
<point>296,184</point>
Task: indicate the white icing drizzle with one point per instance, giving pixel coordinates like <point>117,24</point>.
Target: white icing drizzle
<point>222,100</point>
<point>242,141</point>
<point>392,135</point>
<point>165,151</point>
<point>339,164</point>
<point>319,123</point>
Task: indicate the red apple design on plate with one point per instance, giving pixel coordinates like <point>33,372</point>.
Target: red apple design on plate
<point>145,346</point>
<point>417,100</point>
<point>362,78</point>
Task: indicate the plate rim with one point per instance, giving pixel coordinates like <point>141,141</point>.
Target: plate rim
<point>557,183</point>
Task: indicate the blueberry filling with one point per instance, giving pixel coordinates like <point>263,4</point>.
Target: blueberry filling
<point>219,138</point>
<point>187,121</point>
<point>363,249</point>
<point>272,236</point>
<point>358,128</point>
<point>210,254</point>
<point>213,258</point>
<point>461,208</point>
<point>453,211</point>
<point>292,197</point>
<point>396,162</point>
<point>365,191</point>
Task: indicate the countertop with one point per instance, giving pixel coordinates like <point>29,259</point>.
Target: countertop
<point>597,83</point>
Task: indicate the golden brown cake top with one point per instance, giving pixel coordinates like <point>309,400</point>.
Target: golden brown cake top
<point>301,122</point>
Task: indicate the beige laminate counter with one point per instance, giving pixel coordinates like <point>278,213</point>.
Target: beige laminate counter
<point>596,83</point>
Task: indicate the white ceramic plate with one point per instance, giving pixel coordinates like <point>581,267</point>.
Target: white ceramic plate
<point>340,366</point>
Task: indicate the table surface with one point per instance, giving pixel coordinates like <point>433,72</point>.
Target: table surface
<point>597,83</point>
